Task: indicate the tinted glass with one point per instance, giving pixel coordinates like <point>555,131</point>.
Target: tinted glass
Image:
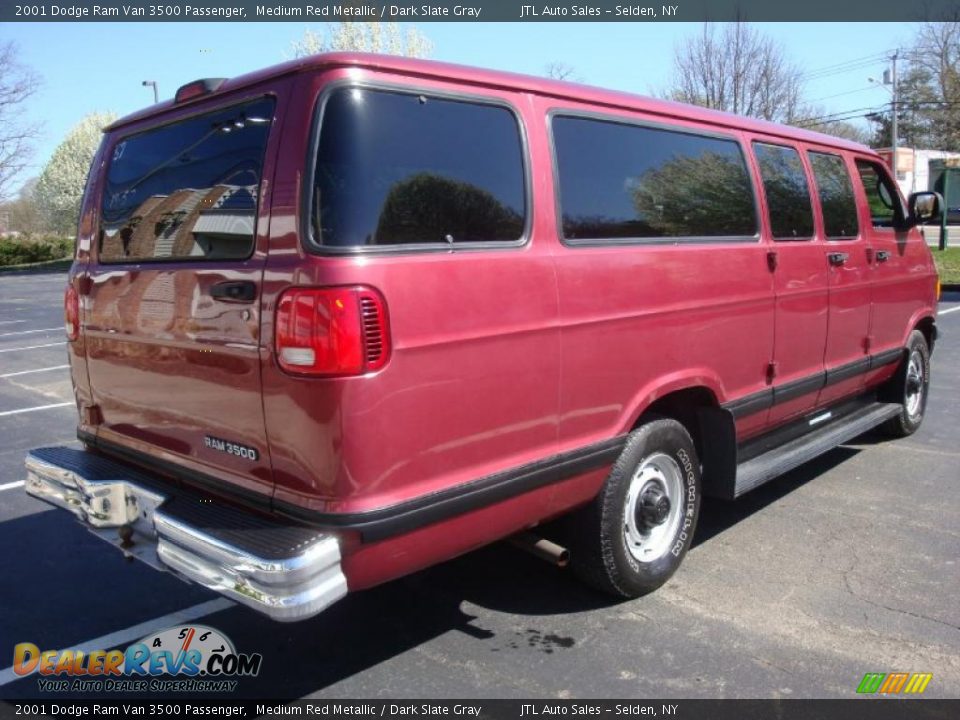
<point>187,190</point>
<point>626,181</point>
<point>397,169</point>
<point>836,195</point>
<point>883,199</point>
<point>787,191</point>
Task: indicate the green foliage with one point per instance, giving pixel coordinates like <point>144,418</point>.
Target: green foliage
<point>20,251</point>
<point>948,263</point>
<point>60,187</point>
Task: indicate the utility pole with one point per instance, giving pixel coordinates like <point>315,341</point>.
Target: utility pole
<point>893,106</point>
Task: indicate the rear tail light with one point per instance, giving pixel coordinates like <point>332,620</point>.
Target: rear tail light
<point>332,331</point>
<point>71,312</point>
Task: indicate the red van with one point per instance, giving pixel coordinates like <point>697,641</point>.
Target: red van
<point>354,315</point>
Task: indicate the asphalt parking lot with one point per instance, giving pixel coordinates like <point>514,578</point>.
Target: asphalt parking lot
<point>848,565</point>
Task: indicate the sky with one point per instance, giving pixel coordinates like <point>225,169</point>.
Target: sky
<point>87,67</point>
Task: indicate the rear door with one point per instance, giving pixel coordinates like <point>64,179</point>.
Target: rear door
<point>173,318</point>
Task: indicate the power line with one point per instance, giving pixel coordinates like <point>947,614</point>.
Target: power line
<point>847,66</point>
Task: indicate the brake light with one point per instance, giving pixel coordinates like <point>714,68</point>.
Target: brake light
<point>198,88</point>
<point>71,312</point>
<point>332,331</point>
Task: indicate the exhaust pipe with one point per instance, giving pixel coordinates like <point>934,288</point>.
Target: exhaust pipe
<point>541,548</point>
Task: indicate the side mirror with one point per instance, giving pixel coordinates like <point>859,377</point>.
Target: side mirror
<point>925,207</point>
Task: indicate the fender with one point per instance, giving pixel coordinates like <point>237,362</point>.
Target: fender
<point>660,387</point>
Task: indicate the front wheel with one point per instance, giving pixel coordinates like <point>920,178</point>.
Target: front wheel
<point>910,387</point>
<point>636,532</point>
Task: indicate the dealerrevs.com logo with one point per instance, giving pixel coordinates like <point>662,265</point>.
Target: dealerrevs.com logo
<point>193,658</point>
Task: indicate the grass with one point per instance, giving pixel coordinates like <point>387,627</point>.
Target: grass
<point>948,263</point>
<point>37,267</point>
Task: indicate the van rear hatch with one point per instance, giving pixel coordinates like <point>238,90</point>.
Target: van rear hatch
<point>171,308</point>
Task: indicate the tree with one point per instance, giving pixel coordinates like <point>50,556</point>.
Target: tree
<point>17,84</point>
<point>377,37</point>
<point>561,71</point>
<point>60,187</point>
<point>22,213</point>
<point>737,69</point>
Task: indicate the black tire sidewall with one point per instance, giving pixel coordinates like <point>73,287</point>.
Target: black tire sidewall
<point>916,342</point>
<point>631,576</point>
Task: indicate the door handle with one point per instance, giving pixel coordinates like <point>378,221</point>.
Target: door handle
<point>837,258</point>
<point>883,255</point>
<point>239,291</point>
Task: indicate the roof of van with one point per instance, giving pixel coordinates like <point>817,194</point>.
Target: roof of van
<point>511,81</point>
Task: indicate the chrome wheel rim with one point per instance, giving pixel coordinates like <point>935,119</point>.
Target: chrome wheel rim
<point>913,397</point>
<point>654,508</point>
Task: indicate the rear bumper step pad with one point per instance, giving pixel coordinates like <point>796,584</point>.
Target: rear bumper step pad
<point>285,571</point>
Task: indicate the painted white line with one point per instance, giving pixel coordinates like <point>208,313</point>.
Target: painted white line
<point>11,322</point>
<point>34,409</point>
<point>120,637</point>
<point>33,347</point>
<point>30,332</point>
<point>948,311</point>
<point>11,486</point>
<point>36,370</point>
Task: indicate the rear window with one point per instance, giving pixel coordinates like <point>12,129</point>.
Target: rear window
<point>399,169</point>
<point>622,182</point>
<point>187,190</point>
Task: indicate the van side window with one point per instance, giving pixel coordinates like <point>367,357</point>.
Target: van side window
<point>620,181</point>
<point>836,195</point>
<point>187,190</point>
<point>882,197</point>
<point>787,191</point>
<point>395,168</point>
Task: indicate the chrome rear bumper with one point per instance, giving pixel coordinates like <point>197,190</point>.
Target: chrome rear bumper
<point>286,572</point>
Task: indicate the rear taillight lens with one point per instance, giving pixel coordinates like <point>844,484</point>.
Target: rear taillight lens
<point>71,313</point>
<point>332,331</point>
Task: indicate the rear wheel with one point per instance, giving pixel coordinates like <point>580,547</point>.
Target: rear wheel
<point>910,387</point>
<point>635,534</point>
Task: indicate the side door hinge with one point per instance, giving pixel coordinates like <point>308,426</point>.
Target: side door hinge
<point>771,371</point>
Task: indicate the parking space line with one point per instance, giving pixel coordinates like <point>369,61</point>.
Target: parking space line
<point>114,639</point>
<point>11,486</point>
<point>34,409</point>
<point>11,322</point>
<point>32,347</point>
<point>30,332</point>
<point>35,370</point>
<point>948,311</point>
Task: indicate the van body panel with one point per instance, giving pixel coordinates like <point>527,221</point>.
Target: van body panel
<point>472,386</point>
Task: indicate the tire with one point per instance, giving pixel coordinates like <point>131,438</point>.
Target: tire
<point>910,387</point>
<point>626,543</point>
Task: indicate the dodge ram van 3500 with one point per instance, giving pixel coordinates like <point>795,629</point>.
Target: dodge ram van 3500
<point>354,315</point>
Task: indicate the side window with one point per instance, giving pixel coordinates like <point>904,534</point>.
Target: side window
<point>621,181</point>
<point>787,191</point>
<point>187,190</point>
<point>836,195</point>
<point>882,196</point>
<point>396,168</point>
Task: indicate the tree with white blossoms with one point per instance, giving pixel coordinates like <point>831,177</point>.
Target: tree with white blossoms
<point>60,187</point>
<point>375,37</point>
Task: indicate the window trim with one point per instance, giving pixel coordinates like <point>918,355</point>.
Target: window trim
<point>813,215</point>
<point>307,241</point>
<point>188,259</point>
<point>843,159</point>
<point>556,112</point>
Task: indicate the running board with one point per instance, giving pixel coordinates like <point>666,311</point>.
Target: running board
<point>775,462</point>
